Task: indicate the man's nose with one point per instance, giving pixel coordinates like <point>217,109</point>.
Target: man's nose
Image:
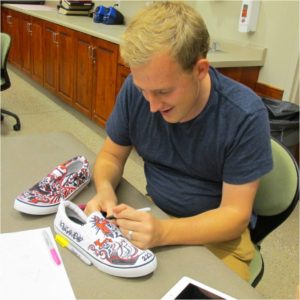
<point>154,102</point>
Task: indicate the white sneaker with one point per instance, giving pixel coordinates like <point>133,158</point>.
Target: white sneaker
<point>63,183</point>
<point>102,243</point>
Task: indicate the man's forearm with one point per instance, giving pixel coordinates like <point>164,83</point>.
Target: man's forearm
<point>216,225</point>
<point>107,171</point>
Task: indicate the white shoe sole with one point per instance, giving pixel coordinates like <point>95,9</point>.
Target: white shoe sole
<point>35,209</point>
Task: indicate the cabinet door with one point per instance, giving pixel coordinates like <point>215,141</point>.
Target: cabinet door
<point>83,89</point>
<point>31,38</point>
<point>37,50</point>
<point>4,14</point>
<point>25,39</point>
<point>104,79</point>
<point>11,25</point>
<point>50,55</point>
<point>245,75</point>
<point>65,60</point>
<point>122,73</point>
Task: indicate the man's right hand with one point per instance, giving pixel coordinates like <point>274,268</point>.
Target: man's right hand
<point>102,201</point>
<point>108,170</point>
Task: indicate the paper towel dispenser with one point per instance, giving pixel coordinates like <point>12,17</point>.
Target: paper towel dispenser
<point>249,15</point>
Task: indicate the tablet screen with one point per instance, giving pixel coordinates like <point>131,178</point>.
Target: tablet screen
<point>192,291</point>
<point>188,288</point>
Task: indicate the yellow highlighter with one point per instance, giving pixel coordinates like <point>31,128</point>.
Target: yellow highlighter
<point>66,244</point>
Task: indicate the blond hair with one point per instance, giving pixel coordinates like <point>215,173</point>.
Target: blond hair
<point>173,27</point>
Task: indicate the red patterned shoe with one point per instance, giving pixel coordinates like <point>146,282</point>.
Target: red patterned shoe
<point>63,183</point>
<point>96,240</point>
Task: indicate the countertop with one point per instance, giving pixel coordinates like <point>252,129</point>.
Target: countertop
<point>230,55</point>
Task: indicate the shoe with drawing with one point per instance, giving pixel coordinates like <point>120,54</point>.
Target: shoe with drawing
<point>63,183</point>
<point>102,243</point>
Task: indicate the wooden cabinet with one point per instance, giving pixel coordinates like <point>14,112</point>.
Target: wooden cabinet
<point>32,55</point>
<point>104,81</point>
<point>59,60</point>
<point>246,75</point>
<point>11,25</point>
<point>50,54</point>
<point>95,77</point>
<point>79,68</point>
<point>26,50</point>
<point>65,60</point>
<point>83,74</point>
<point>25,32</point>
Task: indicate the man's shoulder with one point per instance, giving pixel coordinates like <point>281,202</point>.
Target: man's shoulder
<point>129,84</point>
<point>235,95</point>
<point>129,91</point>
<point>131,102</point>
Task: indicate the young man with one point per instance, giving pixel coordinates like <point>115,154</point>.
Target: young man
<point>204,139</point>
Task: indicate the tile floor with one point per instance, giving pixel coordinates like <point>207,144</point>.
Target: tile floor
<point>41,112</point>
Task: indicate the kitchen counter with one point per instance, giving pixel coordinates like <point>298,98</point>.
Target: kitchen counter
<point>229,55</point>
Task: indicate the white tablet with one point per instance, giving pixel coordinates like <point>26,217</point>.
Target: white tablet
<point>188,288</point>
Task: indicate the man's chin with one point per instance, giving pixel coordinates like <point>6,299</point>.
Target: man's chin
<point>169,116</point>
<point>169,119</point>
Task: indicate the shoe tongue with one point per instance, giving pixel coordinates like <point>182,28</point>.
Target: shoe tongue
<point>101,227</point>
<point>58,172</point>
<point>51,181</point>
<point>95,214</point>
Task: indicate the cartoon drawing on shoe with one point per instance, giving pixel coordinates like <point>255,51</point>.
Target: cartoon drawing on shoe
<point>102,243</point>
<point>63,183</point>
<point>116,251</point>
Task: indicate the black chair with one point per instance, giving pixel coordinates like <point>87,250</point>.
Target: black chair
<point>5,81</point>
<point>276,198</point>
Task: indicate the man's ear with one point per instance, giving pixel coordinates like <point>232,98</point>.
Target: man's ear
<point>202,67</point>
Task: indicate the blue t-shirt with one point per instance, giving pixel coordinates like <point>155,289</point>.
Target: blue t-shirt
<point>186,163</point>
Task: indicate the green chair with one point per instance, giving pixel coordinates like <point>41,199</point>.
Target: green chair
<point>276,198</point>
<point>5,81</point>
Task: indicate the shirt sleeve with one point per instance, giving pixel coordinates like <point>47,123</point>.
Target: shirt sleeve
<point>249,156</point>
<point>117,126</point>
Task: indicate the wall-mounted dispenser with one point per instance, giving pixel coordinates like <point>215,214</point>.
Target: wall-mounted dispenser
<point>249,15</point>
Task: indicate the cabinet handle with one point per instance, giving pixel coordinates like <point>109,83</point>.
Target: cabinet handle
<point>29,27</point>
<point>94,54</point>
<point>9,20</point>
<point>54,37</point>
<point>90,52</point>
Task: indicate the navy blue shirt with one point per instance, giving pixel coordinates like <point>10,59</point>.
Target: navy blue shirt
<point>186,163</point>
